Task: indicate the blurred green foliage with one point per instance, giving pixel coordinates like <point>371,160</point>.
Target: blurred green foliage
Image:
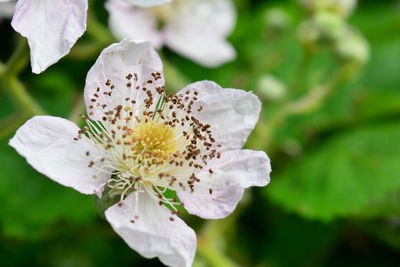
<point>334,197</point>
<point>346,176</point>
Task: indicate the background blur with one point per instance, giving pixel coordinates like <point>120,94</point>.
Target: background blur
<point>330,86</point>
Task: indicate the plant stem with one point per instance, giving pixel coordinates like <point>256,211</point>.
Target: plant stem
<point>98,31</point>
<point>86,50</point>
<point>316,96</point>
<point>18,60</point>
<point>9,124</point>
<point>213,256</point>
<point>314,99</point>
<point>2,68</point>
<point>306,59</point>
<point>18,92</point>
<point>212,240</point>
<point>10,82</point>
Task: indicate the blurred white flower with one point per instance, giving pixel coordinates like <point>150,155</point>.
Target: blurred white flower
<point>197,29</point>
<point>139,144</point>
<point>147,3</point>
<point>342,7</point>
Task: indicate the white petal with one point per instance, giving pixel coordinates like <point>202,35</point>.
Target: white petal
<point>147,3</point>
<point>6,9</point>
<point>48,145</point>
<point>232,173</point>
<point>152,233</point>
<point>198,31</point>
<point>51,26</point>
<point>128,21</point>
<point>232,113</point>
<point>114,64</point>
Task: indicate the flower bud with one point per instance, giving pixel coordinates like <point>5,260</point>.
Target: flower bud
<point>277,20</point>
<point>270,88</point>
<point>352,47</point>
<point>343,8</point>
<point>322,29</point>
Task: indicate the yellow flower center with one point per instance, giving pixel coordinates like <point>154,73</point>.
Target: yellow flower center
<point>149,146</point>
<point>154,140</point>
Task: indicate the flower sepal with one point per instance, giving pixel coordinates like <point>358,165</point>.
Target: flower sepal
<point>108,198</point>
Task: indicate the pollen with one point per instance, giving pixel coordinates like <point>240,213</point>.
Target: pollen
<point>155,139</point>
<point>149,142</point>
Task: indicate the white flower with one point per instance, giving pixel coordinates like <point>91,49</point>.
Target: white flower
<point>196,29</point>
<point>51,26</point>
<point>139,144</point>
<point>147,3</point>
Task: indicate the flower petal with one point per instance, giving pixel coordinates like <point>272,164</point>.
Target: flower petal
<point>198,31</point>
<point>232,113</point>
<point>114,64</point>
<point>147,3</point>
<point>217,194</point>
<point>51,26</point>
<point>128,21</point>
<point>155,232</point>
<point>48,145</point>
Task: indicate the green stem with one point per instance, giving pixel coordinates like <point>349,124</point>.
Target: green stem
<point>9,80</point>
<point>11,123</point>
<point>18,60</point>
<point>2,68</point>
<point>316,96</point>
<point>98,31</point>
<point>314,99</point>
<point>213,256</point>
<point>215,234</point>
<point>86,50</point>
<point>18,92</point>
<point>301,70</point>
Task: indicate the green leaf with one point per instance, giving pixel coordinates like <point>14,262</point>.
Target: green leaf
<point>345,176</point>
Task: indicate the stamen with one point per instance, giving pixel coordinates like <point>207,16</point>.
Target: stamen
<point>149,144</point>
